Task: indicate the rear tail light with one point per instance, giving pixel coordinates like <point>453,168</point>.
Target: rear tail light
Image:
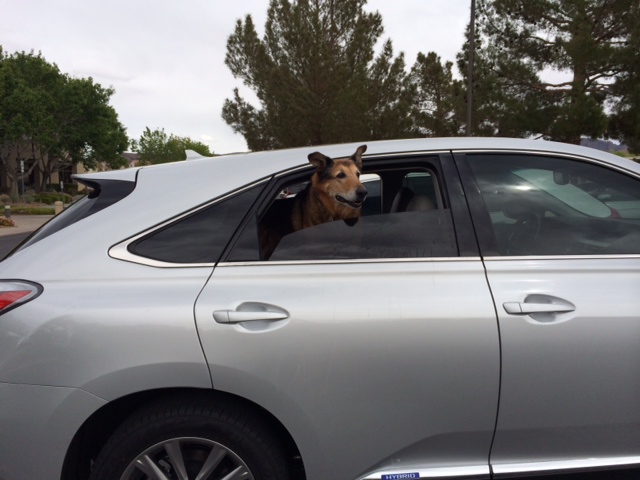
<point>14,293</point>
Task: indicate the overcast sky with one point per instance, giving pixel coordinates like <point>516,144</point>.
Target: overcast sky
<point>165,59</point>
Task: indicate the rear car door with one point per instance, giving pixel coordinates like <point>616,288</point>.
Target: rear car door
<point>561,243</point>
<point>375,345</point>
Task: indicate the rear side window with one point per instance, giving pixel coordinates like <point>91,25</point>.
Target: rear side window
<point>199,237</point>
<point>104,194</point>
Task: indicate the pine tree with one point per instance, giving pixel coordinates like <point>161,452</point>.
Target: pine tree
<point>316,77</point>
<point>440,98</point>
<point>582,38</point>
<point>625,121</point>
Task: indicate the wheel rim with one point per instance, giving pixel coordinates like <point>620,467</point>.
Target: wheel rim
<point>187,458</point>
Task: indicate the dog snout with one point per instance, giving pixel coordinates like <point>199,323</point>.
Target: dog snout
<point>361,193</point>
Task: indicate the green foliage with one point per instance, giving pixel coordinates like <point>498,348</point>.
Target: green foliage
<point>48,114</point>
<point>158,147</point>
<point>50,198</point>
<point>588,39</point>
<point>19,210</point>
<point>624,123</point>
<point>440,98</point>
<point>316,78</point>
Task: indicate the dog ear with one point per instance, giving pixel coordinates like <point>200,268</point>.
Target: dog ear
<point>320,161</point>
<point>357,157</point>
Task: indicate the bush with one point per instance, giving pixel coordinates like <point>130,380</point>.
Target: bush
<point>7,222</point>
<point>5,199</point>
<point>70,188</point>
<point>51,197</point>
<point>33,210</point>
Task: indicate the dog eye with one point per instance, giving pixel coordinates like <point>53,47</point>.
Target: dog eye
<point>341,175</point>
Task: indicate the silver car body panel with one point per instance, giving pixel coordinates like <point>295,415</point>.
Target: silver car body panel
<point>38,423</point>
<point>106,328</point>
<point>383,341</point>
<point>570,383</point>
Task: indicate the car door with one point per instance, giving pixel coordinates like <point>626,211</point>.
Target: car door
<point>375,345</point>
<point>564,269</point>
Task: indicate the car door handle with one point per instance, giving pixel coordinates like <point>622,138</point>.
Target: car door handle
<point>523,308</point>
<point>251,312</point>
<point>546,306</point>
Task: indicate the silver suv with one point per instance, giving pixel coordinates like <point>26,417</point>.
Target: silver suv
<point>491,328</point>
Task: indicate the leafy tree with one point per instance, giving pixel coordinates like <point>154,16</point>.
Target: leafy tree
<point>158,147</point>
<point>584,38</point>
<point>316,78</point>
<point>54,118</point>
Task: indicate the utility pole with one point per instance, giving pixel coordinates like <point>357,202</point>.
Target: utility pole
<point>472,50</point>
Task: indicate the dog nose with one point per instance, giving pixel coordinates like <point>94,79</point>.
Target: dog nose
<point>361,193</point>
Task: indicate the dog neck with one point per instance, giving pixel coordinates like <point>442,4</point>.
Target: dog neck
<point>326,209</point>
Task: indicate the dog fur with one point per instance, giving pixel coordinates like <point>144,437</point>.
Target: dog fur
<point>334,193</point>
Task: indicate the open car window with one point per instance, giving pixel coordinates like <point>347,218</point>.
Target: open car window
<point>403,216</point>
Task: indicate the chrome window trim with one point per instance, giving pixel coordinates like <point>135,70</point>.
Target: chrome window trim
<point>614,256</point>
<point>349,261</point>
<point>120,251</point>
<point>581,464</point>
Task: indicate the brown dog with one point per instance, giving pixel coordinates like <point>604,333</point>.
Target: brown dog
<point>334,193</point>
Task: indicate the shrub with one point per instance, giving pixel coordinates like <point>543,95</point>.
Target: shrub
<point>51,197</point>
<point>33,210</point>
<point>5,199</point>
<point>7,222</point>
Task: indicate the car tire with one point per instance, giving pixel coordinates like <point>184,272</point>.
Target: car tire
<point>185,438</point>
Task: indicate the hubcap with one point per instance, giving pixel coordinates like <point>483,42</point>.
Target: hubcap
<point>187,458</point>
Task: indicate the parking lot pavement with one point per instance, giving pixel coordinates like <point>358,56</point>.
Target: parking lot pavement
<point>10,237</point>
<point>24,224</point>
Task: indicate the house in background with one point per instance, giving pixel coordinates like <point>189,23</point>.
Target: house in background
<point>23,167</point>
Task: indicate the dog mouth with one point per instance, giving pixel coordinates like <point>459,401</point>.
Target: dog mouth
<point>350,203</point>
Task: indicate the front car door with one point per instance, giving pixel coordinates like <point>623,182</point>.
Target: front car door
<point>375,345</point>
<point>563,262</point>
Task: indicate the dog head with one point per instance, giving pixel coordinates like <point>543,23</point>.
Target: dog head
<point>338,180</point>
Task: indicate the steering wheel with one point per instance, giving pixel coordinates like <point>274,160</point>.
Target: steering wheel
<point>524,234</point>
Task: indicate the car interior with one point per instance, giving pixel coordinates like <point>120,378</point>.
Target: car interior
<point>391,192</point>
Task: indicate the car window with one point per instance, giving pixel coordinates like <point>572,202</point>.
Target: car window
<point>403,216</point>
<point>198,237</point>
<point>395,235</point>
<point>103,194</point>
<point>557,206</point>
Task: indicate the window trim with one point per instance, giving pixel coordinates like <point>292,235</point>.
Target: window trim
<point>120,251</point>
<point>440,163</point>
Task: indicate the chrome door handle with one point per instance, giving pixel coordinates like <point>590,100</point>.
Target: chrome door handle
<point>251,312</point>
